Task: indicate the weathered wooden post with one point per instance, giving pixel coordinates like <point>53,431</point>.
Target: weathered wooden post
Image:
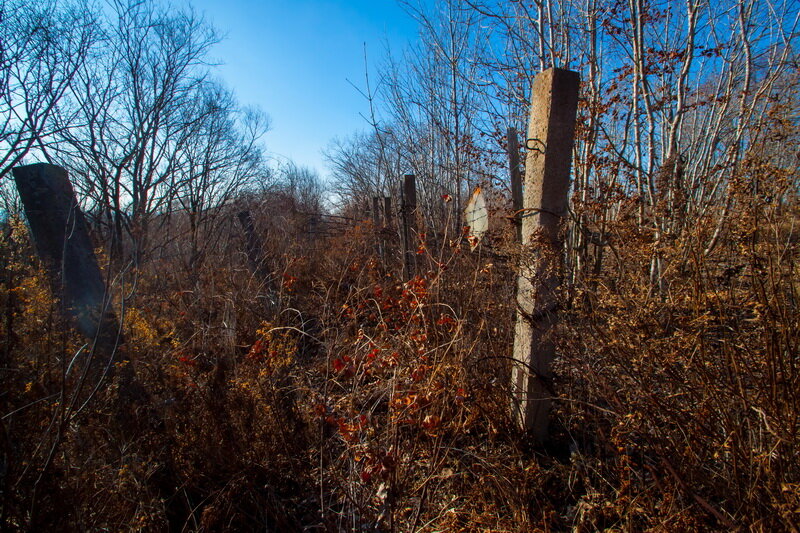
<point>516,179</point>
<point>387,211</point>
<point>550,139</point>
<point>409,212</point>
<point>61,237</point>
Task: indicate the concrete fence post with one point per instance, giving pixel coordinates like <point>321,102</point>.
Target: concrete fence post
<point>256,258</point>
<point>253,248</point>
<point>61,237</point>
<point>547,169</point>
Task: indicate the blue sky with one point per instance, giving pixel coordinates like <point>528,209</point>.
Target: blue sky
<point>292,58</point>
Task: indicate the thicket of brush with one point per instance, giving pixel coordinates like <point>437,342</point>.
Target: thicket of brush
<point>355,399</point>
<point>318,387</point>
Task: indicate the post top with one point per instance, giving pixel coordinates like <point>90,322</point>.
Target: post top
<point>38,165</point>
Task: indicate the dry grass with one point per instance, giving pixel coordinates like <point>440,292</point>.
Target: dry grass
<point>366,402</point>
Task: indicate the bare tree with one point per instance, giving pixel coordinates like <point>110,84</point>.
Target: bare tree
<point>361,166</point>
<point>43,45</point>
<point>219,158</point>
<point>130,103</point>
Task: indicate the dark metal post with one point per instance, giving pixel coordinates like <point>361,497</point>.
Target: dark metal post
<point>409,224</point>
